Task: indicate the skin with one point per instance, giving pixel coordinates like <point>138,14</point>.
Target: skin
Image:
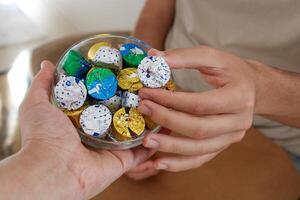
<point>153,24</point>
<point>52,157</point>
<point>207,123</point>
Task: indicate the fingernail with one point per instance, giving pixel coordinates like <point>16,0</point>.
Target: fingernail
<point>161,166</point>
<point>151,143</point>
<point>42,65</point>
<point>144,109</point>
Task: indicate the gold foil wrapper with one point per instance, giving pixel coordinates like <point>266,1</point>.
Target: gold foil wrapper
<point>74,115</point>
<point>150,125</point>
<point>92,51</point>
<point>128,124</point>
<point>170,86</point>
<point>128,79</point>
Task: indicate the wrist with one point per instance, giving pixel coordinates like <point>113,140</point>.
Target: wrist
<point>264,85</point>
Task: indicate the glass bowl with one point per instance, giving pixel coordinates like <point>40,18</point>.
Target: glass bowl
<point>83,47</point>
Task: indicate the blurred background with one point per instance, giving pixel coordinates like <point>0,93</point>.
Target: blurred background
<point>32,30</point>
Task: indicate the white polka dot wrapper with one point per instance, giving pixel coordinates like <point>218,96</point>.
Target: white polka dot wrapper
<point>130,100</point>
<point>114,103</point>
<point>70,93</point>
<point>154,72</point>
<point>108,55</point>
<point>95,120</point>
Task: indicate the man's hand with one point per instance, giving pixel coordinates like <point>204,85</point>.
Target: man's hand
<point>207,122</point>
<point>53,163</point>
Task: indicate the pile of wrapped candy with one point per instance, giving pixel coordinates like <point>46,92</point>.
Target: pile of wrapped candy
<point>99,91</point>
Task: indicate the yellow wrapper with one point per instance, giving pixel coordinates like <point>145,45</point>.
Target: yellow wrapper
<point>128,125</point>
<point>92,51</point>
<point>128,80</point>
<point>74,115</point>
<point>150,125</point>
<point>170,86</point>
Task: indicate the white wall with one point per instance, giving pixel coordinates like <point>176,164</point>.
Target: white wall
<point>56,18</point>
<point>59,17</point>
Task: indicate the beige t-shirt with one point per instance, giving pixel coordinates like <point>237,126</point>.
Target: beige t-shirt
<point>263,30</point>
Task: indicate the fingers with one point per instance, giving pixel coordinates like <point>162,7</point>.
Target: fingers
<point>192,126</point>
<point>209,102</point>
<point>41,86</point>
<point>190,147</point>
<point>181,163</point>
<point>143,171</point>
<point>155,52</point>
<point>197,57</point>
<point>131,158</point>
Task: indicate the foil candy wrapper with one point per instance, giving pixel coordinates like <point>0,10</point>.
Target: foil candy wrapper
<point>154,72</point>
<point>74,64</point>
<point>130,100</point>
<point>93,50</point>
<point>74,115</point>
<point>132,54</point>
<point>107,56</point>
<point>96,120</point>
<point>114,103</point>
<point>170,86</point>
<point>128,124</point>
<point>128,79</point>
<point>101,83</point>
<point>70,93</point>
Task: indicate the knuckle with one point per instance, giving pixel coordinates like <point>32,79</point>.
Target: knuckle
<point>161,119</point>
<point>249,102</point>
<point>197,109</point>
<point>172,147</point>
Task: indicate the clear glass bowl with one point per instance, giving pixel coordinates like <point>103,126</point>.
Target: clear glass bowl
<point>83,47</point>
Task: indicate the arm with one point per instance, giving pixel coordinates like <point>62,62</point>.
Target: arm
<point>155,21</point>
<point>278,94</point>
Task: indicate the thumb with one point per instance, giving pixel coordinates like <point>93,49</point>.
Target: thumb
<point>40,89</point>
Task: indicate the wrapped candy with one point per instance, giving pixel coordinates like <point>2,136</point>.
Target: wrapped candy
<point>75,65</point>
<point>101,83</point>
<point>95,120</point>
<point>128,79</point>
<point>132,54</point>
<point>107,56</point>
<point>154,72</point>
<point>93,50</point>
<point>70,93</point>
<point>128,124</point>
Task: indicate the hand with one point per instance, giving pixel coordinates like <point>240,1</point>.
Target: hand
<point>48,136</point>
<point>207,122</point>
